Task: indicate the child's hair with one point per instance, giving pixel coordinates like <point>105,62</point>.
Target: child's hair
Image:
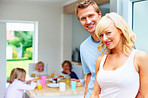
<point>40,62</point>
<point>17,73</point>
<point>69,63</point>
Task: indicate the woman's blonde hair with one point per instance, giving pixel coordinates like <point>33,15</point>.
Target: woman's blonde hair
<point>17,73</point>
<point>40,62</point>
<point>128,35</point>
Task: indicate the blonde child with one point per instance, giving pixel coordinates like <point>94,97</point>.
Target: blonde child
<point>17,84</point>
<point>39,69</point>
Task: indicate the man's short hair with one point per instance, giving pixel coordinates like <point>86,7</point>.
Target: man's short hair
<point>85,3</point>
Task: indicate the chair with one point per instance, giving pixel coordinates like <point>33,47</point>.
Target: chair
<point>78,70</point>
<point>32,68</point>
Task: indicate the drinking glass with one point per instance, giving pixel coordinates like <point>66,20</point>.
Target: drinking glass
<point>52,75</point>
<point>67,79</point>
<point>62,86</point>
<point>73,85</point>
<point>43,78</point>
<point>39,84</point>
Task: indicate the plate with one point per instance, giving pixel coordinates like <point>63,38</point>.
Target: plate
<point>53,85</point>
<point>50,79</point>
<point>32,75</point>
<point>28,77</point>
<point>61,77</point>
<point>80,85</point>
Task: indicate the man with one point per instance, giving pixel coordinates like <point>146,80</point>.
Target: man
<point>88,14</point>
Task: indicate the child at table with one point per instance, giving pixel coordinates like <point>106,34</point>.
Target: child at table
<point>67,66</point>
<point>39,69</point>
<point>17,84</point>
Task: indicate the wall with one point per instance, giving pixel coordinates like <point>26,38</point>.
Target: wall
<point>2,58</point>
<point>49,20</point>
<point>67,37</point>
<point>78,33</point>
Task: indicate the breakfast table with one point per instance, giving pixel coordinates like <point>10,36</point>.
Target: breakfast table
<point>54,92</point>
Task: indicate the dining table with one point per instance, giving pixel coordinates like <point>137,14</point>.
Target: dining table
<point>54,92</point>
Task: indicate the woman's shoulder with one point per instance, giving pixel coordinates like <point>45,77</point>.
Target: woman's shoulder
<point>141,58</point>
<point>100,57</point>
<point>98,61</point>
<point>140,54</point>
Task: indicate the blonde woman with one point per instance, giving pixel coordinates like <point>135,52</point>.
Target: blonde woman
<point>17,86</point>
<point>122,72</point>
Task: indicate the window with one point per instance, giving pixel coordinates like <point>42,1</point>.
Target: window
<point>135,13</point>
<point>140,24</point>
<point>21,39</point>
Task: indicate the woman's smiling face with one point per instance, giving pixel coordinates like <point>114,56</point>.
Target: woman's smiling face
<point>111,36</point>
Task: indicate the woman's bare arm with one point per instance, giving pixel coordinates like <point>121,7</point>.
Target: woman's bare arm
<point>142,63</point>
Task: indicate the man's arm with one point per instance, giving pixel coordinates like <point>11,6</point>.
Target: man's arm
<point>88,76</point>
<point>96,91</point>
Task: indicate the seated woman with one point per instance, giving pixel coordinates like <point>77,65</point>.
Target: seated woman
<point>39,69</point>
<point>67,66</point>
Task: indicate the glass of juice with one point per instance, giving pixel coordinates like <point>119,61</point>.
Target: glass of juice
<point>52,75</point>
<point>39,84</point>
<point>67,79</point>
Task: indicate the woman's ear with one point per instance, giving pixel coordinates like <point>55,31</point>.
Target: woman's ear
<point>119,30</point>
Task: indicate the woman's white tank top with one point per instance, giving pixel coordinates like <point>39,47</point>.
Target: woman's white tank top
<point>120,83</point>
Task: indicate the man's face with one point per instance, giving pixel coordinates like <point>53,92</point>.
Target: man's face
<point>89,18</point>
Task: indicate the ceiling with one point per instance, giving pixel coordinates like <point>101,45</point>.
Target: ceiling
<point>46,1</point>
<point>69,5</point>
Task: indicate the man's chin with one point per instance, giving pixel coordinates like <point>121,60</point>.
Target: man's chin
<point>91,31</point>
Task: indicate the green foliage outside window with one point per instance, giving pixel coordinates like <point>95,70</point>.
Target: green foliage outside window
<point>24,38</point>
<point>28,53</point>
<point>14,53</point>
